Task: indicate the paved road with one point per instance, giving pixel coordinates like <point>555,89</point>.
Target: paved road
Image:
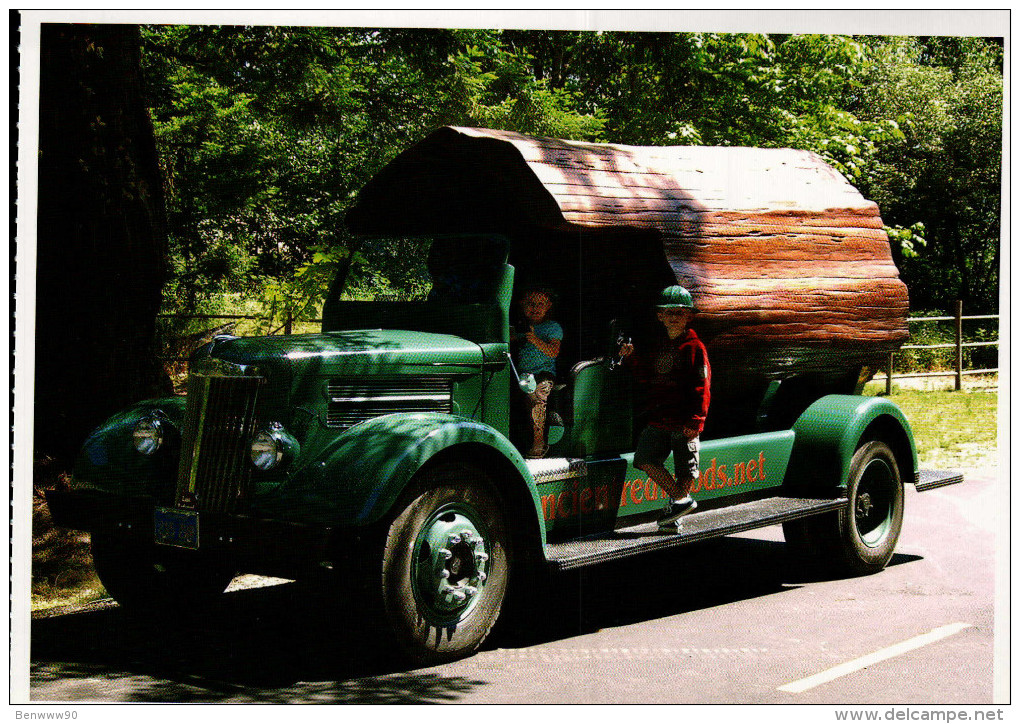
<point>729,621</point>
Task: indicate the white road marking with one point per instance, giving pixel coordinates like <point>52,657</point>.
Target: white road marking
<point>888,652</point>
<point>609,654</point>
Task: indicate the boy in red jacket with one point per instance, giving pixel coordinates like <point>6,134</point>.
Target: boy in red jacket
<point>678,381</point>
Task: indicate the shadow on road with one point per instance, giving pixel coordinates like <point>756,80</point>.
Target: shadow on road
<point>667,583</point>
<point>298,643</point>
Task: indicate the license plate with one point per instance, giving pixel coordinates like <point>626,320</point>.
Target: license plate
<point>178,528</point>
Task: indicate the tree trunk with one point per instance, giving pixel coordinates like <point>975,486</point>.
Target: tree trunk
<point>101,236</point>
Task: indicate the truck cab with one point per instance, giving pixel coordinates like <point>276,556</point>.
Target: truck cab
<point>386,450</point>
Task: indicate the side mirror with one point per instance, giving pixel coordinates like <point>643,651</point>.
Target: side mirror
<point>527,381</point>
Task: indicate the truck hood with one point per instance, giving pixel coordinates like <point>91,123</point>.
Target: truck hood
<point>355,352</point>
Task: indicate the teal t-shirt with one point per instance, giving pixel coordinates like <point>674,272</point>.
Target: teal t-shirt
<point>533,360</point>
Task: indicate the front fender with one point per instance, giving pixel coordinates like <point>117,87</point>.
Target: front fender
<point>830,431</point>
<point>361,475</point>
<point>109,462</point>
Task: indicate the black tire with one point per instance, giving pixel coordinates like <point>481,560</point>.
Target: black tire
<point>861,538</point>
<point>442,591</point>
<point>147,581</point>
<point>870,525</point>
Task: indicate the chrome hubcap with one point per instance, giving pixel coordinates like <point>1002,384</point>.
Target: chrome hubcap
<point>451,562</point>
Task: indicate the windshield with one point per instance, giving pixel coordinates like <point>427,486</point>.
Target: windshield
<point>468,294</point>
<point>464,268</point>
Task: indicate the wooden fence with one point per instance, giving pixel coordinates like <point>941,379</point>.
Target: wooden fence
<point>958,344</point>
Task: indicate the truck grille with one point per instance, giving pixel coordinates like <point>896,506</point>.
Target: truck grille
<point>355,400</point>
<point>215,469</point>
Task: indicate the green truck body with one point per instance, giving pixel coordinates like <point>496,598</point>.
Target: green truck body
<point>387,447</point>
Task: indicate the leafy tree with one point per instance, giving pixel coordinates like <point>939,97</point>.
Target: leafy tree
<point>947,175</point>
<point>253,183</point>
<point>717,89</point>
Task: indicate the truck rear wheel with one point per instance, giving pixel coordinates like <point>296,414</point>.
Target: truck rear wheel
<point>146,581</point>
<point>446,564</point>
<point>870,525</point>
<point>861,538</point>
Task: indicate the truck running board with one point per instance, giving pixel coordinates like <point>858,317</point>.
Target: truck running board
<point>930,479</point>
<point>698,526</point>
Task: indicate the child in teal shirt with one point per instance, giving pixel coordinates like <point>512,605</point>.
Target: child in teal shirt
<point>540,345</point>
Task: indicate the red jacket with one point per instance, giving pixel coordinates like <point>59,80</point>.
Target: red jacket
<point>678,381</point>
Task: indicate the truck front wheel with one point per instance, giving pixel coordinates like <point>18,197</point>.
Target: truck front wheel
<point>445,566</point>
<point>145,581</point>
<point>861,538</point>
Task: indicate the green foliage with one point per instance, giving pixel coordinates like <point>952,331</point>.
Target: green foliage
<point>718,89</point>
<point>265,135</point>
<point>493,87</point>
<point>947,94</point>
<point>909,241</point>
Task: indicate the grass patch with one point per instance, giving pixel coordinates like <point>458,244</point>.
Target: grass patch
<point>951,429</point>
<point>46,597</point>
<point>62,572</point>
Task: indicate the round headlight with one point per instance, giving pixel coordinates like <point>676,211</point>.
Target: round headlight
<point>147,435</point>
<point>266,450</point>
<point>273,446</point>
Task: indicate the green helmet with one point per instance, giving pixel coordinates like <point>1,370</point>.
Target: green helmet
<point>675,297</point>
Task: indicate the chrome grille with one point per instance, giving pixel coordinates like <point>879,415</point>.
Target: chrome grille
<point>215,467</point>
<point>355,400</point>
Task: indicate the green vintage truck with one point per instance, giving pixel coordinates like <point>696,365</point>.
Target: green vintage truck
<point>385,450</point>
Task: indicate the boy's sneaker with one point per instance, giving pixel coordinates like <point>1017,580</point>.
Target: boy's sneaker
<point>676,510</point>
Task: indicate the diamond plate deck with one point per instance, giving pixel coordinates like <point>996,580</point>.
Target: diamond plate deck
<point>930,479</point>
<point>547,469</point>
<point>698,526</point>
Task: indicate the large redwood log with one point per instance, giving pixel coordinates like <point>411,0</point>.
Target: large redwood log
<point>788,263</point>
